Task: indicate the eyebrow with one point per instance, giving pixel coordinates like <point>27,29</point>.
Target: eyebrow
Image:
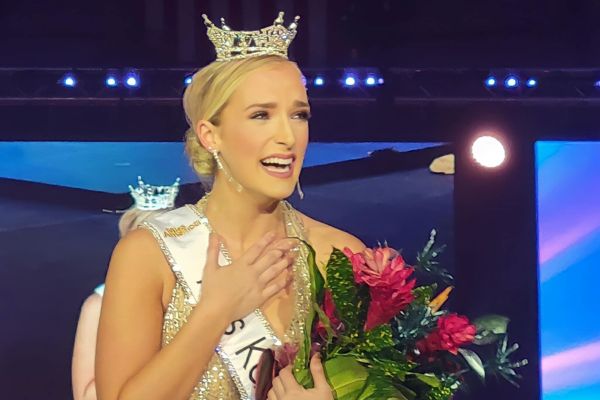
<point>297,103</point>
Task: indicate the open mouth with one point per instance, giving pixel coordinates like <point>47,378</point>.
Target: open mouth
<point>278,165</point>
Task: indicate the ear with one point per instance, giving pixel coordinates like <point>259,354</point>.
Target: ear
<point>207,133</point>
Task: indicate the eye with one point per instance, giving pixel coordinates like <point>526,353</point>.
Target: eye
<point>305,115</point>
<point>259,115</point>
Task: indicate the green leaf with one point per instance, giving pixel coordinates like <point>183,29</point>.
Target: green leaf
<point>317,284</point>
<point>346,376</point>
<point>390,367</point>
<point>426,260</point>
<point>490,328</point>
<point>325,321</point>
<point>496,324</point>
<point>350,300</point>
<point>502,364</point>
<point>424,294</point>
<point>376,339</point>
<point>474,362</point>
<point>428,379</point>
<point>379,387</point>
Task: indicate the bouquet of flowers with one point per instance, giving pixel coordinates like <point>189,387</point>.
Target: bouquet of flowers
<point>381,336</point>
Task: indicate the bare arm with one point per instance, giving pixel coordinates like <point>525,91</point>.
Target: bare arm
<point>130,363</point>
<point>84,350</point>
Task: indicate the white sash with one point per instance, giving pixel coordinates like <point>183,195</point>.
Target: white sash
<point>183,237</point>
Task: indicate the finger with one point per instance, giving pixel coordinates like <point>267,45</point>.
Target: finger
<point>267,259</point>
<point>278,387</point>
<point>271,395</point>
<point>317,371</point>
<point>252,254</point>
<point>287,378</point>
<point>275,287</point>
<point>286,244</point>
<point>212,253</point>
<point>274,271</point>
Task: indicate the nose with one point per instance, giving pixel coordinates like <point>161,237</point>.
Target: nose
<point>285,134</point>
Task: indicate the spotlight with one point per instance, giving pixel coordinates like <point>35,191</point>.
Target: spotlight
<point>511,82</point>
<point>319,81</point>
<point>490,81</point>
<point>597,84</point>
<point>531,83</point>
<point>111,81</point>
<point>370,81</point>
<point>488,151</point>
<point>187,80</point>
<point>380,81</point>
<point>132,80</point>
<point>350,80</point>
<point>69,80</point>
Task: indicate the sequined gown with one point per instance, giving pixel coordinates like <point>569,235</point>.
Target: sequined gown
<point>217,382</point>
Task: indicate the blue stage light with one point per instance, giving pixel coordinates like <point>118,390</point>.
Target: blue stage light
<point>69,80</point>
<point>490,81</point>
<point>319,81</point>
<point>111,81</point>
<point>531,82</point>
<point>597,84</point>
<point>511,82</point>
<point>349,80</point>
<point>187,80</point>
<point>380,81</point>
<point>370,81</point>
<point>132,80</point>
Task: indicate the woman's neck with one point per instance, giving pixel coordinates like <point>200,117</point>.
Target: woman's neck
<point>242,218</point>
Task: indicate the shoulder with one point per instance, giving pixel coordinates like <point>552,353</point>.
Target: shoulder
<point>324,238</point>
<point>92,305</point>
<point>137,244</point>
<point>137,261</point>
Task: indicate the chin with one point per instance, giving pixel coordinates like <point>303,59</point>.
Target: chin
<point>275,193</point>
<point>280,194</point>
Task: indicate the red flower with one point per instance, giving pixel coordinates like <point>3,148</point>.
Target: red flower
<point>285,355</point>
<point>387,303</point>
<point>453,331</point>
<point>383,269</point>
<point>329,310</point>
<point>430,344</point>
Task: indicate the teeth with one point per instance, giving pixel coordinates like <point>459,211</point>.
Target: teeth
<point>277,169</point>
<point>280,161</point>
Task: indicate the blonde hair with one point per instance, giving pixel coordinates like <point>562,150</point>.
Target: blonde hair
<point>134,217</point>
<point>206,97</point>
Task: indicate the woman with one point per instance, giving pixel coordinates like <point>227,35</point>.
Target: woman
<point>149,200</point>
<point>167,304</point>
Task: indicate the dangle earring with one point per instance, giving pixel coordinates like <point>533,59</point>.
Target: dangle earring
<point>299,189</point>
<point>221,166</point>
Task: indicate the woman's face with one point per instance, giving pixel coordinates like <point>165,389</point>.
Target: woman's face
<point>263,132</point>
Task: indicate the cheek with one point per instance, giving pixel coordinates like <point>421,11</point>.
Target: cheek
<point>302,142</point>
<point>245,141</point>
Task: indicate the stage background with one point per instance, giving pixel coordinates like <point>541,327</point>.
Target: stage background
<point>568,201</point>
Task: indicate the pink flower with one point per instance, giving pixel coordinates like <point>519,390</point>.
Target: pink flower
<point>383,269</point>
<point>369,265</point>
<point>453,331</point>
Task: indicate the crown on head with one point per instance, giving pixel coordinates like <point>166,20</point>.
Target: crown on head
<point>151,198</point>
<point>233,45</point>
